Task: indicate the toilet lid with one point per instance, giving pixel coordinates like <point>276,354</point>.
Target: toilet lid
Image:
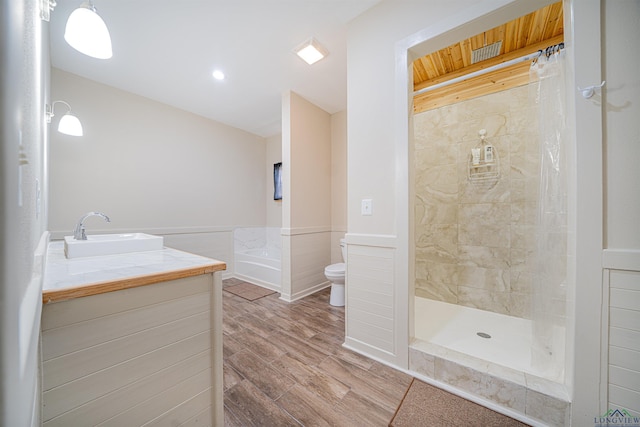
<point>335,268</point>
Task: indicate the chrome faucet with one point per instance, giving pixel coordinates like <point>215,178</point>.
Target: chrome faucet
<point>78,232</point>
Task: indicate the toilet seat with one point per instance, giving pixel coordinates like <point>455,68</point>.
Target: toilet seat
<point>334,269</point>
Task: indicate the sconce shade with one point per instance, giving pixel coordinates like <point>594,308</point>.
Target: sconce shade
<point>70,125</point>
<point>87,33</point>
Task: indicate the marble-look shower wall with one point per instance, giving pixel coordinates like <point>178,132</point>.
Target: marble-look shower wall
<point>475,242</point>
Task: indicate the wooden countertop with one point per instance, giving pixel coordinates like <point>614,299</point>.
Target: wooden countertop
<point>80,277</point>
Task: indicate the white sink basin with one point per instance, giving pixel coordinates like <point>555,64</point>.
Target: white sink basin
<point>111,244</point>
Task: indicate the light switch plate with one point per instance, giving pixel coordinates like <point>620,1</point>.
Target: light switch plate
<point>367,207</point>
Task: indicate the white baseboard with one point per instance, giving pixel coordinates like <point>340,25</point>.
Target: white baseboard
<point>305,292</point>
<point>371,352</point>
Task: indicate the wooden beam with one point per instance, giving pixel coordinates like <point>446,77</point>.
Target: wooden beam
<point>507,78</point>
<point>491,62</point>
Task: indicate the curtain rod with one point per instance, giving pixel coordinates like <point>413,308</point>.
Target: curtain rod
<point>548,51</point>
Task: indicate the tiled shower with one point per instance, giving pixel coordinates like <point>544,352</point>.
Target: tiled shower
<point>475,240</point>
<point>475,256</point>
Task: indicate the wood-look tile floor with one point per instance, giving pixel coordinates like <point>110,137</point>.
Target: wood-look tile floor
<point>284,365</point>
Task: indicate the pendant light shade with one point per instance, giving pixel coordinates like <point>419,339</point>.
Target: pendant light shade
<point>70,125</point>
<point>87,33</point>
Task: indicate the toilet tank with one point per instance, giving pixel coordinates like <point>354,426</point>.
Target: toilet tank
<point>343,249</point>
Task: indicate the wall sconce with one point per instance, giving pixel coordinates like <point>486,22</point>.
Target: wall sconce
<point>87,33</point>
<point>69,124</point>
<point>311,51</point>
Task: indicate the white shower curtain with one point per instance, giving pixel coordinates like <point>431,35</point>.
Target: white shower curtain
<point>550,261</point>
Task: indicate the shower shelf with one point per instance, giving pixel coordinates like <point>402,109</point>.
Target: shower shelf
<point>482,170</point>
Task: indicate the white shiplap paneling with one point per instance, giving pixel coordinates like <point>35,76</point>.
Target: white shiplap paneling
<point>133,362</point>
<point>619,356</point>
<point>307,254</point>
<point>133,394</point>
<point>163,404</point>
<point>82,309</point>
<point>370,296</point>
<point>201,419</point>
<point>620,397</point>
<point>624,340</point>
<point>77,336</point>
<point>69,367</point>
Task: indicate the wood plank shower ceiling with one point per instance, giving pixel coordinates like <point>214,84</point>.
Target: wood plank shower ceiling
<point>519,37</point>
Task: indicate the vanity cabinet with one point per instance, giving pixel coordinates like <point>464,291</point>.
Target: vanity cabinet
<point>136,354</point>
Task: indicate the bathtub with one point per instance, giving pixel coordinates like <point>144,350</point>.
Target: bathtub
<point>487,357</point>
<point>257,256</point>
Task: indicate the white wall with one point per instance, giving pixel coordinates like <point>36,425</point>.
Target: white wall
<point>338,183</point>
<point>273,155</point>
<point>149,165</point>
<point>24,85</point>
<point>306,219</point>
<point>371,95</point>
<point>621,257</point>
<point>310,164</point>
<point>622,127</point>
<point>153,168</point>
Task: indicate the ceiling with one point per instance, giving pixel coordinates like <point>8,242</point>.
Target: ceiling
<point>519,37</point>
<point>166,50</point>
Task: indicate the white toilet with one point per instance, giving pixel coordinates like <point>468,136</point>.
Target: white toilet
<point>335,274</point>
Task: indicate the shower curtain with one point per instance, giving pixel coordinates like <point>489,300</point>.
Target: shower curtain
<point>549,280</point>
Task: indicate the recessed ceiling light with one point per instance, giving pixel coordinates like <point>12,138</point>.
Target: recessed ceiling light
<point>311,51</point>
<point>218,75</point>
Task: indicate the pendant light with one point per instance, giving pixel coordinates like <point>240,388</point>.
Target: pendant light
<point>87,33</point>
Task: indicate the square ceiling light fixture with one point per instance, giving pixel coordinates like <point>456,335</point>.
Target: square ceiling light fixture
<point>311,51</point>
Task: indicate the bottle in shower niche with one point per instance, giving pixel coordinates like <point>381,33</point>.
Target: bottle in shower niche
<point>488,153</point>
<point>475,156</point>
